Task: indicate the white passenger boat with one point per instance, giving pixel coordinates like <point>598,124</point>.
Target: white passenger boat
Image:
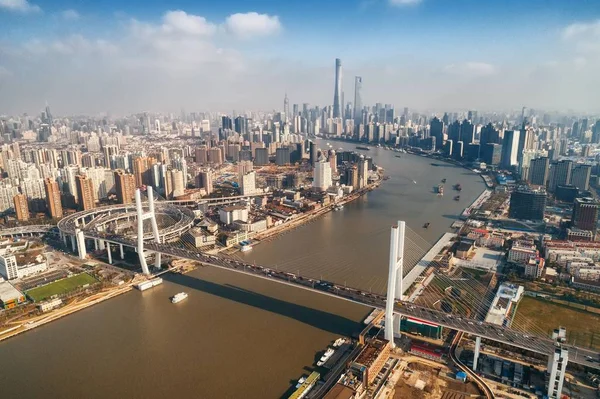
<point>179,297</point>
<point>325,357</point>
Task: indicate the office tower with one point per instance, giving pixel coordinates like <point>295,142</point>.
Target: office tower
<point>322,176</point>
<point>457,150</point>
<point>560,173</point>
<point>21,207</point>
<point>226,123</point>
<point>261,157</point>
<point>125,186</point>
<point>337,94</point>
<point>472,152</point>
<point>527,203</point>
<point>538,171</point>
<point>85,191</point>
<point>467,132</point>
<point>454,131</point>
<point>580,176</point>
<point>436,130</point>
<point>248,183</point>
<point>282,156</point>
<point>357,115</point>
<point>204,180</point>
<point>215,156</point>
<point>566,193</point>
<point>585,214</point>
<point>313,153</point>
<point>286,108</point>
<point>510,146</point>
<point>352,176</point>
<point>596,132</point>
<point>489,134</point>
<point>448,147</point>
<point>241,125</point>
<point>53,198</point>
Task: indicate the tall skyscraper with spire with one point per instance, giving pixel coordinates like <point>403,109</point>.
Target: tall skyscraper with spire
<point>286,107</point>
<point>337,94</point>
<point>357,99</point>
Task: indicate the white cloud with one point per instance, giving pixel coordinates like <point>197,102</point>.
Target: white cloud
<point>181,22</point>
<point>402,3</point>
<point>582,30</point>
<point>471,69</point>
<point>19,6</point>
<point>70,15</point>
<point>252,24</point>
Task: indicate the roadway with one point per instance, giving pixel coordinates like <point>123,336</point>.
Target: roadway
<point>489,394</point>
<point>479,328</point>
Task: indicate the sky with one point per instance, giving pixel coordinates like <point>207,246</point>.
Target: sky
<point>122,57</point>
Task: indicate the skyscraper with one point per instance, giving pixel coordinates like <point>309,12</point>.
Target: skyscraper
<point>357,115</point>
<point>286,107</point>
<point>526,203</point>
<point>436,129</point>
<point>580,176</point>
<point>322,176</point>
<point>53,198</point>
<point>337,94</point>
<point>560,174</point>
<point>510,146</point>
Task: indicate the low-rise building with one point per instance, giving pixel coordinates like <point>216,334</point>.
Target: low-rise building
<point>534,267</point>
<point>229,214</point>
<point>10,297</point>
<point>522,251</point>
<point>8,267</point>
<point>200,238</point>
<point>506,298</point>
<point>49,305</point>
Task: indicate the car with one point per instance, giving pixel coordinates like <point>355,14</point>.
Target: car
<point>471,323</point>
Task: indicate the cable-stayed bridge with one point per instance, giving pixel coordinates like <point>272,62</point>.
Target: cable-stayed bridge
<point>155,227</point>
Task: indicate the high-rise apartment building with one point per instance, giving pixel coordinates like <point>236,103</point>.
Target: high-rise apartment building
<point>262,157</point>
<point>585,214</point>
<point>204,180</point>
<point>248,183</point>
<point>21,207</point>
<point>142,170</point>
<point>125,187</point>
<point>53,198</point>
<point>85,191</point>
<point>337,94</point>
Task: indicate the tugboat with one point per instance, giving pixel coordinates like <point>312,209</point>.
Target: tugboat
<point>444,180</point>
<point>426,225</point>
<point>458,187</point>
<point>457,198</point>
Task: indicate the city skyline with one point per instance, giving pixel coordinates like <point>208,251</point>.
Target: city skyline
<point>410,53</point>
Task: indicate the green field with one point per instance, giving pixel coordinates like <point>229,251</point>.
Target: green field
<point>582,327</point>
<point>60,287</point>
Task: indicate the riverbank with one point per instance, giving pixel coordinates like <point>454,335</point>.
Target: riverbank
<point>66,310</point>
<point>310,216</point>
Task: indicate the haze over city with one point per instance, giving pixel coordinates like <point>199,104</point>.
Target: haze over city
<point>120,58</point>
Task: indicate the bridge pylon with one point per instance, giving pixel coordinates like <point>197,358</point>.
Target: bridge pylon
<point>141,216</point>
<point>396,271</point>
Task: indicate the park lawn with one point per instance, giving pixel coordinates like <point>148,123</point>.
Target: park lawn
<point>583,328</point>
<point>60,287</point>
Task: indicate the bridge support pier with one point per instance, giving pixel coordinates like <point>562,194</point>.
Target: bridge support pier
<point>108,252</point>
<point>73,244</point>
<point>101,245</point>
<point>141,216</point>
<point>121,251</point>
<point>95,244</point>
<point>476,353</point>
<point>395,276</point>
<point>80,244</point>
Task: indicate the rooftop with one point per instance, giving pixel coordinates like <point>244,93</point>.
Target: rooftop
<point>8,292</point>
<point>371,352</point>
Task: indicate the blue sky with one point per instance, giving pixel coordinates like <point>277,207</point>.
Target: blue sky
<point>119,57</point>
